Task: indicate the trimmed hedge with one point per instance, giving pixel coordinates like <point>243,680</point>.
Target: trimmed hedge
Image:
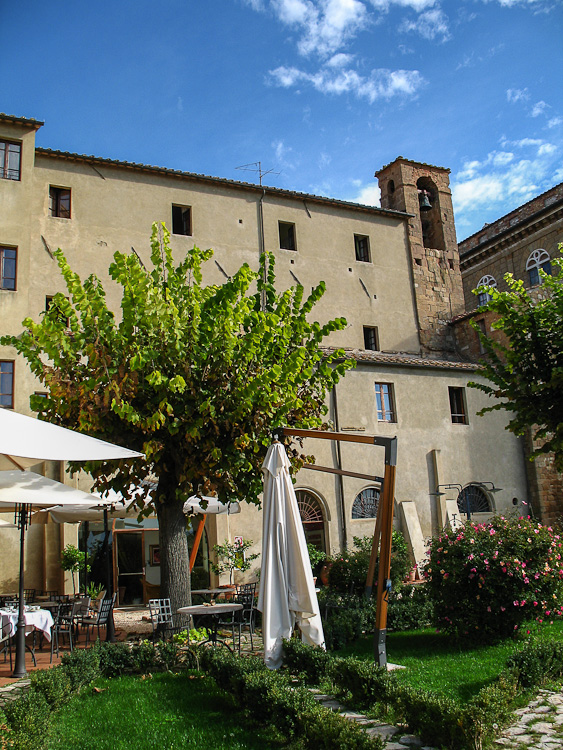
<point>437,719</point>
<point>272,699</point>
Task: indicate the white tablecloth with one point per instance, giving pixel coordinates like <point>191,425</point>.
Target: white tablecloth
<point>40,619</point>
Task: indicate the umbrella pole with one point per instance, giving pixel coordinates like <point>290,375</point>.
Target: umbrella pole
<point>197,540</point>
<point>383,580</point>
<point>19,666</point>
<point>86,535</point>
<point>110,628</point>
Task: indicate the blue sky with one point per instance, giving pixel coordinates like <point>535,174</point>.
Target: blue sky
<point>323,92</point>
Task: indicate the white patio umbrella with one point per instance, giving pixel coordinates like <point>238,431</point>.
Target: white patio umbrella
<point>287,594</point>
<point>25,441</point>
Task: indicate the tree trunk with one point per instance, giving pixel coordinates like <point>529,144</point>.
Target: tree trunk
<point>174,557</point>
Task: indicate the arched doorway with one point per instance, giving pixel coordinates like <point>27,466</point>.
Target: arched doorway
<point>311,512</point>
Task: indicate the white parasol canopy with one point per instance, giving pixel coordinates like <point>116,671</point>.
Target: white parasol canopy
<point>287,591</point>
<point>32,440</point>
<point>27,488</point>
<point>215,507</point>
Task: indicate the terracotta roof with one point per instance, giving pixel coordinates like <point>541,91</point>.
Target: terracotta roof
<point>21,120</point>
<point>401,358</point>
<point>414,163</point>
<point>218,181</point>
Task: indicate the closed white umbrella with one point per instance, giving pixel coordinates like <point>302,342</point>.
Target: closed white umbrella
<point>215,507</point>
<point>287,594</point>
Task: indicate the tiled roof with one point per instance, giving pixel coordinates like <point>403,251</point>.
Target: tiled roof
<point>218,180</point>
<point>414,164</point>
<point>401,358</point>
<point>20,120</point>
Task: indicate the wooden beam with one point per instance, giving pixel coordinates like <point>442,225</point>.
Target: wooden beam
<point>343,473</point>
<point>325,435</point>
<point>387,500</point>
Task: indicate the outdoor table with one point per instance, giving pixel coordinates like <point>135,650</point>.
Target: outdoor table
<point>38,619</point>
<point>214,593</point>
<point>214,611</point>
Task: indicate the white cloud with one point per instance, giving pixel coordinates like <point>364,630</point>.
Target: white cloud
<point>370,195</point>
<point>417,5</point>
<point>380,84</point>
<point>324,160</point>
<point>539,109</point>
<point>340,60</point>
<point>546,149</point>
<point>554,122</point>
<point>517,95</point>
<point>430,24</point>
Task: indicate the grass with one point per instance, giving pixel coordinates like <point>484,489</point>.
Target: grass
<point>166,711</point>
<point>435,661</point>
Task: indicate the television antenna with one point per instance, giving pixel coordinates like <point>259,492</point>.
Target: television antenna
<point>256,166</point>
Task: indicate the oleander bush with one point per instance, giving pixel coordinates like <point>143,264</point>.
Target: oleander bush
<point>486,579</point>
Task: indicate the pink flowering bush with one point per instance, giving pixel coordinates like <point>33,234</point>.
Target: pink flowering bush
<point>486,579</point>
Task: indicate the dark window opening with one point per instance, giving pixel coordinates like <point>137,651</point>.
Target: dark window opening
<point>10,160</point>
<point>6,384</point>
<point>473,499</point>
<point>457,405</point>
<point>287,236</point>
<point>361,243</point>
<point>8,265</point>
<point>385,402</point>
<point>371,339</point>
<point>182,220</point>
<point>59,202</point>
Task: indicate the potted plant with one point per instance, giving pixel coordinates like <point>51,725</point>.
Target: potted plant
<point>72,561</point>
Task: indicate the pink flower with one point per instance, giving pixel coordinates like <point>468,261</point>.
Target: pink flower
<point>492,532</point>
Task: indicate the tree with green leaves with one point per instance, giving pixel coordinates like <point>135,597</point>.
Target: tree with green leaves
<point>525,366</point>
<point>196,376</point>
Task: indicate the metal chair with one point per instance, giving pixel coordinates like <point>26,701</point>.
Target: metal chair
<point>29,595</point>
<point>6,639</point>
<point>63,625</point>
<point>164,622</point>
<point>244,618</point>
<point>101,618</point>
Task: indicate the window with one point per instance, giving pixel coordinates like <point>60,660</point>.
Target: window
<point>457,405</point>
<point>182,220</point>
<point>6,384</point>
<point>10,160</point>
<point>59,202</point>
<point>361,243</point>
<point>473,499</point>
<point>365,504</point>
<point>8,258</point>
<point>371,339</point>
<point>385,402</point>
<point>287,236</point>
<point>484,297</point>
<point>538,259</point>
<point>312,518</point>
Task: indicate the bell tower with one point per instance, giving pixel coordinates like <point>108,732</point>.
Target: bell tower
<point>424,192</point>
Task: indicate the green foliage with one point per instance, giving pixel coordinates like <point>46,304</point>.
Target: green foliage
<point>311,661</point>
<point>93,589</point>
<point>72,560</point>
<point>344,617</point>
<point>316,555</point>
<point>273,700</point>
<point>538,663</point>
<point>196,635</point>
<point>28,720</point>
<point>486,579</point>
<point>527,371</point>
<point>410,608</point>
<point>54,684</point>
<point>193,375</point>
<point>349,569</point>
<point>232,556</point>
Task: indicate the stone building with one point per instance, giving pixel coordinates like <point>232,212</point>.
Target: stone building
<point>521,243</point>
<point>392,272</point>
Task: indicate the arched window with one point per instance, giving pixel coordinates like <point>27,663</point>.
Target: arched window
<point>365,504</point>
<point>475,498</point>
<point>312,518</point>
<point>538,259</point>
<point>429,212</point>
<point>487,280</point>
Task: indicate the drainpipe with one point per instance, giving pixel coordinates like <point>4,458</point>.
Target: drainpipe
<point>261,244</point>
<point>341,506</point>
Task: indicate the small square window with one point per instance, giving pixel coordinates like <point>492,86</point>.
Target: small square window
<point>8,265</point>
<point>385,402</point>
<point>59,202</point>
<point>7,384</point>
<point>10,160</point>
<point>361,243</point>
<point>371,338</point>
<point>458,408</point>
<point>287,236</point>
<point>182,220</point>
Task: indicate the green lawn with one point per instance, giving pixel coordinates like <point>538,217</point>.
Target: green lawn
<point>437,662</point>
<point>165,712</point>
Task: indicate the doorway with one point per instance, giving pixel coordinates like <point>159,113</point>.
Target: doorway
<point>130,566</point>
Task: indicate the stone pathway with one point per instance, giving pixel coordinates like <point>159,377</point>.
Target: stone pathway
<point>539,725</point>
<point>395,737</point>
